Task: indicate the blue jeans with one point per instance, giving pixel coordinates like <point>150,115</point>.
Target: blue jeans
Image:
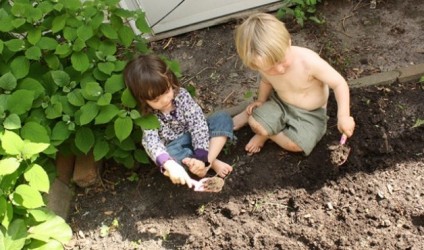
<point>219,124</point>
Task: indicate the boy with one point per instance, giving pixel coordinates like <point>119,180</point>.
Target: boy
<point>293,92</point>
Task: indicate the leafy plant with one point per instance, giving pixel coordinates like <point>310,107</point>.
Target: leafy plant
<point>25,222</point>
<point>301,10</point>
<point>418,123</point>
<point>61,76</point>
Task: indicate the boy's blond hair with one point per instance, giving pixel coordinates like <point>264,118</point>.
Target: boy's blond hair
<point>262,39</point>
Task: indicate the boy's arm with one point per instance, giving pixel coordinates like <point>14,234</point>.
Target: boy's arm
<point>328,75</point>
<point>265,89</point>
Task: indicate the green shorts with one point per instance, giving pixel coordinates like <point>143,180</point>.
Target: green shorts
<point>303,127</point>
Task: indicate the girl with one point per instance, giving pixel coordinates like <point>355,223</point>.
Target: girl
<point>185,136</point>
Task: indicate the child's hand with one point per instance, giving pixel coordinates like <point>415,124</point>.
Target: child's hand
<point>252,106</point>
<point>346,125</point>
<point>196,166</point>
<point>177,173</point>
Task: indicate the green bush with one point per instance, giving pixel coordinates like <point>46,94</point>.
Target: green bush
<point>61,76</point>
<point>25,222</point>
<point>301,10</point>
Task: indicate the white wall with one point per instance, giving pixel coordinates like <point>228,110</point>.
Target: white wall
<point>189,11</point>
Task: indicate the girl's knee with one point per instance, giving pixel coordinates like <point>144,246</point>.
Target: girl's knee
<point>220,121</point>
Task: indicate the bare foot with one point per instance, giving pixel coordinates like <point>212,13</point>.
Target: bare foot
<point>255,144</point>
<point>221,168</point>
<point>240,120</point>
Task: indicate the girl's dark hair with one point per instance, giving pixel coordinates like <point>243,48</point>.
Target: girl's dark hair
<point>148,77</point>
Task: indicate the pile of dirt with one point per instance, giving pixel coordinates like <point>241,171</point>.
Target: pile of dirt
<point>275,199</point>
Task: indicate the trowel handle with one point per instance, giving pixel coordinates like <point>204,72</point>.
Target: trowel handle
<point>343,139</point>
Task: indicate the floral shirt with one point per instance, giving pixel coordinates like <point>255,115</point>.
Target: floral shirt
<point>187,117</point>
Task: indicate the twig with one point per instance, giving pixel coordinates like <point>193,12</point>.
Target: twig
<point>168,43</point>
<point>228,96</point>
<point>343,21</point>
<point>356,6</point>
<point>196,74</point>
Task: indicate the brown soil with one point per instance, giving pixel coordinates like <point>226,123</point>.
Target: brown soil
<point>275,199</point>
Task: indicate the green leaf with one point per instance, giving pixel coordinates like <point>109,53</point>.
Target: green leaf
<point>85,32</point>
<point>63,50</point>
<point>59,23</point>
<point>107,47</point>
<point>52,61</point>
<point>35,132</point>
<point>92,91</point>
<point>30,149</point>
<point>79,44</point>
<point>47,43</point>
<point>142,24</point>
<point>127,99</point>
<point>20,101</point>
<point>54,110</point>
<point>104,99</point>
<point>18,22</point>
<point>88,112</point>
<point>107,113</point>
<point>55,228</point>
<point>72,4</point>
<point>106,67</point>
<point>108,31</point>
<point>100,150</point>
<point>418,123</point>
<point>12,143</point>
<point>33,85</point>
<point>80,61</point>
<point>6,214</point>
<point>41,214</point>
<point>61,78</point>
<point>141,156</point>
<point>14,238</point>
<point>34,35</point>
<point>70,34</point>
<point>126,35</point>
<point>45,245</point>
<point>148,122</point>
<point>174,66</point>
<point>15,45</point>
<point>8,165</point>
<point>114,84</point>
<point>123,127</point>
<point>75,98</point>
<point>27,197</point>
<point>84,139</point>
<point>37,178</point>
<point>97,20</point>
<point>6,23</point>
<point>120,65</point>
<point>12,122</point>
<point>20,67</point>
<point>60,132</point>
<point>8,81</point>
<point>134,114</point>
<point>33,53</point>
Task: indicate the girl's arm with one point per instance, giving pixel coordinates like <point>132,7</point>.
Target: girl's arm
<point>154,147</point>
